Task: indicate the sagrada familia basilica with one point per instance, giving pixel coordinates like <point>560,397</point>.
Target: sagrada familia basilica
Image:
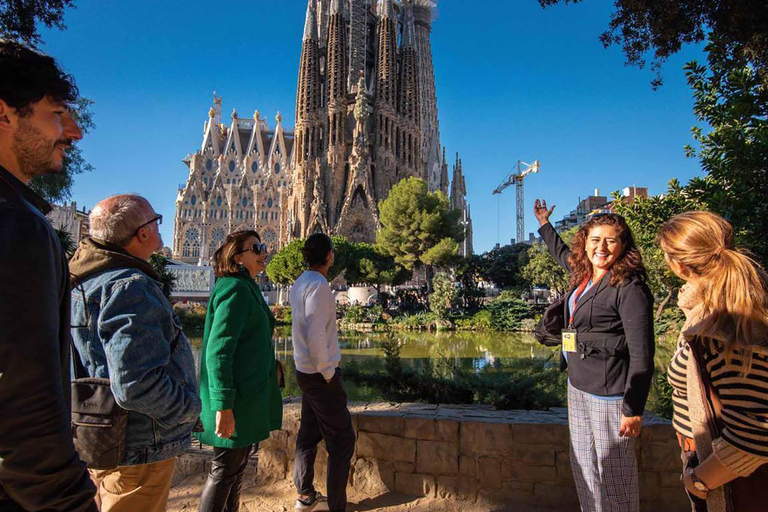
<point>366,117</point>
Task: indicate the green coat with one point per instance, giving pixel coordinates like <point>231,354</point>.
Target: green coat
<point>237,365</point>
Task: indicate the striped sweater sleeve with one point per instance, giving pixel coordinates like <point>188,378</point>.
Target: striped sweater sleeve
<point>743,446</point>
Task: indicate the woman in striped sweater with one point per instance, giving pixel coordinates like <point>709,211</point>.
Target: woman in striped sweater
<point>720,370</point>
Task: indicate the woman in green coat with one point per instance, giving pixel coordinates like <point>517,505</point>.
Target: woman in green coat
<point>238,374</point>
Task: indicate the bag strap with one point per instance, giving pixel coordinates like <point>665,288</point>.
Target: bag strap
<point>80,371</point>
<point>712,396</point>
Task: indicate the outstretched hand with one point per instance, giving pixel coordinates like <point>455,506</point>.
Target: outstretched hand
<point>541,211</point>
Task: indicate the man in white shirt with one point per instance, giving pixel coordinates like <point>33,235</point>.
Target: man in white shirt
<point>324,413</point>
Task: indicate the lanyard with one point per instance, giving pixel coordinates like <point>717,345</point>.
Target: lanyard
<point>576,296</point>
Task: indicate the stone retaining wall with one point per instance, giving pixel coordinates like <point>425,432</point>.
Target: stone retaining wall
<point>518,459</point>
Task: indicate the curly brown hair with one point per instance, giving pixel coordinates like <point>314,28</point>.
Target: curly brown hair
<point>629,264</point>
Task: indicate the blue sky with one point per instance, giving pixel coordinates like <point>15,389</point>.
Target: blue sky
<point>514,81</point>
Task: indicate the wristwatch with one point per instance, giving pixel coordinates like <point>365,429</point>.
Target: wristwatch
<point>698,484</point>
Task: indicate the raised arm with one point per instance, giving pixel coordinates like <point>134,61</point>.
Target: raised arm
<point>555,244</point>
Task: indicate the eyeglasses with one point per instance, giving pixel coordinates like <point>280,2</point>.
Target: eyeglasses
<point>158,218</point>
<point>256,248</point>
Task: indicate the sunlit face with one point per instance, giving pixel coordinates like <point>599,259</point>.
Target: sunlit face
<point>603,247</point>
<point>253,263</point>
<point>42,138</point>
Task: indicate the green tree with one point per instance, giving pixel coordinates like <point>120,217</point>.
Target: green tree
<point>288,264</point>
<point>19,19</point>
<point>443,296</point>
<point>418,227</point>
<point>644,217</point>
<point>160,264</point>
<point>371,266</point>
<point>663,27</point>
<point>502,265</point>
<point>469,272</point>
<point>543,269</point>
<point>730,97</point>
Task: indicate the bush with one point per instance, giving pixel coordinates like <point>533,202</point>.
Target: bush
<point>480,321</point>
<point>508,313</point>
<point>283,314</point>
<point>420,320</point>
<point>363,314</point>
<point>192,316</point>
<point>660,397</point>
<point>443,296</point>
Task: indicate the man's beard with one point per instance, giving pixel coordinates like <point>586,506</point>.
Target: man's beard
<point>34,152</point>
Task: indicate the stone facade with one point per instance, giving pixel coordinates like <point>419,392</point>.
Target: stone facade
<point>68,218</point>
<point>366,117</point>
<point>515,459</point>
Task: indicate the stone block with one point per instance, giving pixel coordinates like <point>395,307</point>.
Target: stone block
<point>437,457</point>
<point>535,455</point>
<point>381,446</point>
<point>466,488</point>
<point>549,434</point>
<point>414,484</point>
<point>649,483</point>
<point>448,488</point>
<point>563,467</point>
<point>373,477</point>
<point>405,467</point>
<point>658,434</point>
<point>481,438</point>
<point>489,472</point>
<point>382,424</point>
<point>521,472</point>
<point>273,465</point>
<point>660,458</point>
<point>430,429</point>
<point>557,497</point>
<point>468,465</point>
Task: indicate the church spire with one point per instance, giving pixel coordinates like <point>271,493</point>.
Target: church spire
<point>310,24</point>
<point>386,9</point>
<point>408,100</point>
<point>337,7</point>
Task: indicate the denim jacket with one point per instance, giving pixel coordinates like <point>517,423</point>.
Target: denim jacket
<point>125,330</point>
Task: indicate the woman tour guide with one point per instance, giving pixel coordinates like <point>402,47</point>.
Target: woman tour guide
<point>238,375</point>
<point>608,346</point>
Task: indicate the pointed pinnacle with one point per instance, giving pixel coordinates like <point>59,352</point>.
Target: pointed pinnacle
<point>337,7</point>
<point>310,25</point>
<point>408,26</point>
<point>386,9</point>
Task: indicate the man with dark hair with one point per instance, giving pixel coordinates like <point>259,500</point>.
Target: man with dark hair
<point>324,413</point>
<point>39,469</point>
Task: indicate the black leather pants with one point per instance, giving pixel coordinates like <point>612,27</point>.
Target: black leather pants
<point>221,492</point>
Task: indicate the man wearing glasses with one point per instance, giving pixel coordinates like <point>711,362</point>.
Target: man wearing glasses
<point>125,330</point>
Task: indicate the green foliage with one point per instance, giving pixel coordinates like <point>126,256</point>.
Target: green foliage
<point>480,321</point>
<point>507,313</point>
<point>283,314</point>
<point>57,187</point>
<point>644,26</point>
<point>68,244</point>
<point>363,314</point>
<point>19,20</point>
<point>370,265</point>
<point>468,274</point>
<point>660,397</point>
<point>542,269</point>
<point>421,320</point>
<point>167,279</point>
<point>444,295</point>
<point>192,316</point>
<point>288,264</point>
<point>503,265</point>
<point>418,227</point>
<point>731,98</point>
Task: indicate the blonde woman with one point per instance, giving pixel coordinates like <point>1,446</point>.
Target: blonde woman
<point>720,370</point>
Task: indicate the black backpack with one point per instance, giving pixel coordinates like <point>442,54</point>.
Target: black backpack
<point>550,328</point>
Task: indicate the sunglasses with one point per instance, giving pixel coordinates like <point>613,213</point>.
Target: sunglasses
<point>256,248</point>
<point>158,218</point>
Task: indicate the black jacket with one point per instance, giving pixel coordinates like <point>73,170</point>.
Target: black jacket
<point>39,469</point>
<point>615,339</point>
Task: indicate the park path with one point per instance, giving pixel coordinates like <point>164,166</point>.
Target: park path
<point>279,496</point>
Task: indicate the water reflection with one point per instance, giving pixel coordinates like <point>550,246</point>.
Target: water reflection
<point>467,350</point>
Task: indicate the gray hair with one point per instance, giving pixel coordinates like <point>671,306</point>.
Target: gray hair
<point>115,219</point>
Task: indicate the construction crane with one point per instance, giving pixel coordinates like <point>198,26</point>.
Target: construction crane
<point>523,170</point>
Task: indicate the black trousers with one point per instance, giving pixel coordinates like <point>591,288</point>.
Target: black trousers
<point>221,492</point>
<point>324,415</point>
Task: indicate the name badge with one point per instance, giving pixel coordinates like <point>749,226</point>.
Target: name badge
<point>569,341</point>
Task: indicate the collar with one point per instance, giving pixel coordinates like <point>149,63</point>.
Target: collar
<point>25,192</point>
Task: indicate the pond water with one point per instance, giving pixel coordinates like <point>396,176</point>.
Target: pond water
<point>466,349</point>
